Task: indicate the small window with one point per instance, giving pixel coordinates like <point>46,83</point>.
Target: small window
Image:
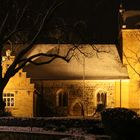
<point>101,98</point>
<point>9,99</point>
<point>7,66</point>
<point>20,74</point>
<point>61,98</point>
<point>65,99</point>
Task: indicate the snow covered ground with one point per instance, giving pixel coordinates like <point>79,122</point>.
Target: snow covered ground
<point>75,135</point>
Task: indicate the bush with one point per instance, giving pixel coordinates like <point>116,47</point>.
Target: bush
<point>5,114</point>
<point>118,114</point>
<point>121,123</point>
<point>57,124</point>
<point>61,128</point>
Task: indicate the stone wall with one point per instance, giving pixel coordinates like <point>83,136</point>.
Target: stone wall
<point>82,95</point>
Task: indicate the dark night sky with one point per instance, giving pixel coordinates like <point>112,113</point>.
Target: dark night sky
<point>131,4</point>
<point>100,16</point>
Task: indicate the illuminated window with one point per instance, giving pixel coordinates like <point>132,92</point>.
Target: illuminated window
<point>9,99</point>
<point>101,98</point>
<point>61,98</point>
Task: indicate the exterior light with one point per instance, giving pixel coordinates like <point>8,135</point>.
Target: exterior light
<point>123,26</point>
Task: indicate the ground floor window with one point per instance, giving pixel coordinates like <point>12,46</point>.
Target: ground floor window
<point>9,99</point>
<point>101,98</point>
<point>61,98</point>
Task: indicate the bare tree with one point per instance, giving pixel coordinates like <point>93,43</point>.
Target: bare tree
<point>13,19</point>
<point>19,23</point>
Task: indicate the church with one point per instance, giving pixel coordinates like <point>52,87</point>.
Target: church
<point>78,87</point>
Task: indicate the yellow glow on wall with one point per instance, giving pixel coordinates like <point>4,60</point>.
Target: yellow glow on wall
<point>131,49</point>
<point>23,92</point>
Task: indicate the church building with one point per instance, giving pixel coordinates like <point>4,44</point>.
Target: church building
<point>78,87</point>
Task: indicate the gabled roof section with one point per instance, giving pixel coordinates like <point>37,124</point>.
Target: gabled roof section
<point>99,66</point>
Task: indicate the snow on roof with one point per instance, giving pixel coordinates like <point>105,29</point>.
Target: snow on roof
<point>103,65</point>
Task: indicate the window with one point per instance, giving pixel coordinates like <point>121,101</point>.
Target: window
<point>7,66</point>
<point>61,98</point>
<point>20,74</point>
<point>101,98</point>
<point>9,99</point>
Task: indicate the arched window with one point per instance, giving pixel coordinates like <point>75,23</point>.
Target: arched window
<point>101,98</point>
<point>65,99</point>
<point>61,98</point>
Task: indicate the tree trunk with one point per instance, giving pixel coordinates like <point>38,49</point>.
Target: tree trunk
<point>2,103</point>
<point>3,83</point>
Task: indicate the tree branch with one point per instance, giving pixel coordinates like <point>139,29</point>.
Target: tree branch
<point>131,66</point>
<point>16,25</point>
<point>67,57</point>
<point>30,46</point>
<point>51,56</point>
<point>3,23</point>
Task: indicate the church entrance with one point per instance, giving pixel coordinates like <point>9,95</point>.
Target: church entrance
<point>77,110</point>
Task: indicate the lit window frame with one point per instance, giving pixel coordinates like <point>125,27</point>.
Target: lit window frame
<point>101,97</point>
<point>9,99</point>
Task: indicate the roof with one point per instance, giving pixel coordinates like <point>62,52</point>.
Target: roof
<point>103,65</point>
<point>131,19</point>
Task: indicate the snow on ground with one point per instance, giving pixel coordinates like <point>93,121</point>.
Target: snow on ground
<point>37,130</point>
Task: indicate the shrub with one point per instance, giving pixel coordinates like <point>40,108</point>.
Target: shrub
<point>61,128</point>
<point>5,114</point>
<point>118,114</point>
<point>121,123</point>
